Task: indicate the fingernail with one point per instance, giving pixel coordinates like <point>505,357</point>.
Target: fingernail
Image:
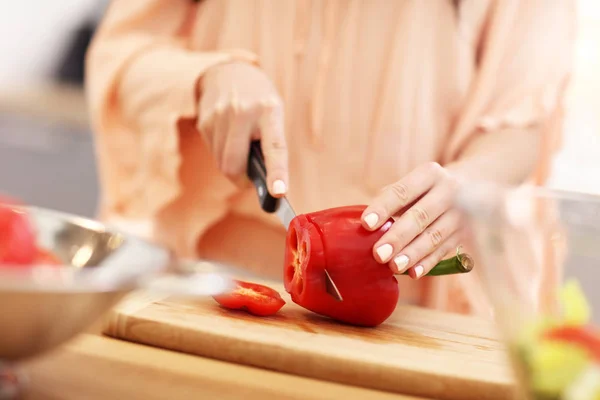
<point>418,271</point>
<point>384,252</point>
<point>401,262</point>
<point>279,187</point>
<point>371,220</point>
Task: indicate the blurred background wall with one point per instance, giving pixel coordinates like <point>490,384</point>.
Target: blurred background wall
<point>577,166</point>
<point>46,149</point>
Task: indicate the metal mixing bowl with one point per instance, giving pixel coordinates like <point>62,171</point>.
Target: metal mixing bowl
<point>44,306</point>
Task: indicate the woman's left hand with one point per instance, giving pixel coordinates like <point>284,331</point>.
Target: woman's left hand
<point>426,226</point>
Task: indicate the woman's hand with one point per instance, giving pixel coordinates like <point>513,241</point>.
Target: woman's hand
<point>239,104</point>
<point>426,226</point>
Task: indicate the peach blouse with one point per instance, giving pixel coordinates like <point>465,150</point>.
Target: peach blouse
<point>371,90</point>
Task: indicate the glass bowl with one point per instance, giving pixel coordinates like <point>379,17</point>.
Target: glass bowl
<point>524,233</point>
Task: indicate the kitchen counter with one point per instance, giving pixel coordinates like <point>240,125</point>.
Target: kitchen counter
<point>97,367</point>
<point>48,101</point>
<point>44,136</point>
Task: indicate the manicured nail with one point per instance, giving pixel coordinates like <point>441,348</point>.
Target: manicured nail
<point>401,262</point>
<point>371,220</point>
<point>279,187</point>
<point>384,252</point>
<point>418,271</point>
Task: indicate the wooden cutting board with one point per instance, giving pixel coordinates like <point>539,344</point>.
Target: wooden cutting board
<point>417,351</point>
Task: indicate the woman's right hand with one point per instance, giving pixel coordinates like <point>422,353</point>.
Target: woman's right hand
<point>238,104</point>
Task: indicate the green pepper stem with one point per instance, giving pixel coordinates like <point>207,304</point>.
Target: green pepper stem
<point>459,264</point>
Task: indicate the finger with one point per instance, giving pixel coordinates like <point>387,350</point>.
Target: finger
<point>220,132</point>
<point>400,194</point>
<point>237,143</point>
<point>206,127</point>
<point>274,148</point>
<point>427,242</point>
<point>212,105</point>
<point>414,221</point>
<point>206,113</point>
<point>425,265</point>
<point>404,209</point>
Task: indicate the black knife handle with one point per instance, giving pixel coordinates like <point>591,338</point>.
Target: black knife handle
<point>257,172</point>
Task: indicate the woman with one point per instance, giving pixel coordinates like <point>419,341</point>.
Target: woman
<point>346,96</point>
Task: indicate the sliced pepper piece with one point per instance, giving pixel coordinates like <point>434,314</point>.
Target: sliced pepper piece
<point>334,239</point>
<point>17,236</point>
<point>254,298</point>
<point>585,337</point>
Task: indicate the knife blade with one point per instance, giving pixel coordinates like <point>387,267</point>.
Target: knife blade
<point>257,172</point>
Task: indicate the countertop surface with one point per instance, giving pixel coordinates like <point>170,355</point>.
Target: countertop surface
<point>97,367</point>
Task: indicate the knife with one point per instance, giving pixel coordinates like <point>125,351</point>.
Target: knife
<point>257,172</point>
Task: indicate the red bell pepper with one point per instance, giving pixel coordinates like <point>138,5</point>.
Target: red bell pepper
<point>251,297</point>
<point>584,336</point>
<point>17,236</point>
<point>334,239</point>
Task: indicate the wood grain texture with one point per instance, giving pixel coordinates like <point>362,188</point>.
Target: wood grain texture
<point>416,352</point>
<point>93,367</point>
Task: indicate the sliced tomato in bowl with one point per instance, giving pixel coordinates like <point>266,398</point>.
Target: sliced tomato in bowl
<point>17,235</point>
<point>45,257</point>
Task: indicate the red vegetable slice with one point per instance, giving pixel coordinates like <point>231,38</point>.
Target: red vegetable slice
<point>334,239</point>
<point>17,236</point>
<point>252,297</point>
<point>585,336</point>
<point>45,257</point>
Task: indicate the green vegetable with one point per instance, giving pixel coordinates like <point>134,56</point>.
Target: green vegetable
<point>555,370</point>
<point>576,310</point>
<point>554,366</point>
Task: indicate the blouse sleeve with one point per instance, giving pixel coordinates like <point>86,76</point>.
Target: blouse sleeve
<point>523,52</point>
<point>141,81</point>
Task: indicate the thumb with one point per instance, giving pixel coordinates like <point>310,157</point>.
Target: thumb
<point>274,148</point>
